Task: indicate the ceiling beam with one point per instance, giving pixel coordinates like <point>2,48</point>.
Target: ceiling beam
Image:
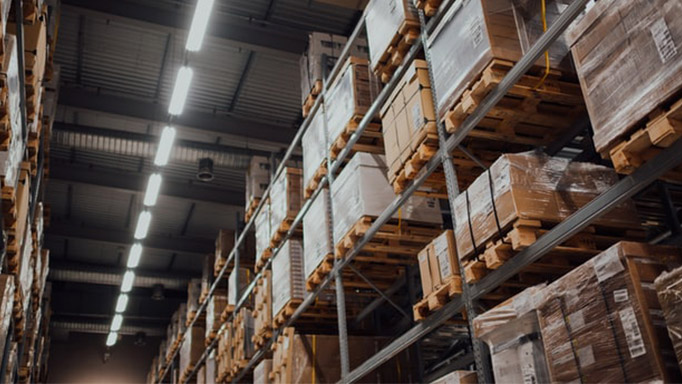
<point>137,182</point>
<point>241,31</point>
<point>69,229</point>
<point>114,276</point>
<point>103,328</point>
<point>148,110</point>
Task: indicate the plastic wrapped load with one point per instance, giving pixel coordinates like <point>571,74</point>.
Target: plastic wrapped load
<point>438,262</point>
<point>406,116</point>
<point>262,312</point>
<point>22,197</point>
<point>457,377</point>
<point>669,291</point>
<point>473,33</point>
<point>6,306</point>
<point>383,22</point>
<point>223,354</point>
<point>628,55</point>
<point>288,281</point>
<point>601,322</point>
<point>11,156</point>
<point>192,347</point>
<point>351,95</point>
<point>262,372</point>
<point>24,275</point>
<point>237,282</point>
<point>362,189</point>
<point>262,224</point>
<point>286,197</point>
<point>223,246</point>
<point>319,59</point>
<point>243,348</point>
<point>257,178</point>
<point>193,294</point>
<point>182,318</point>
<point>317,242</point>
<point>314,146</point>
<point>210,370</point>
<point>512,332</point>
<point>214,308</point>
<point>532,186</point>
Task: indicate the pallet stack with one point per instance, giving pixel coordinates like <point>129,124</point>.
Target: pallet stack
<point>190,351</point>
<point>669,291</point>
<point>257,180</point>
<point>193,295</point>
<point>214,309</point>
<point>262,312</point>
<point>223,246</point>
<point>242,346</point>
<point>288,281</point>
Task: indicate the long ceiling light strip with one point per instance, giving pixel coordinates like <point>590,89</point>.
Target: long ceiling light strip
<point>183,81</point>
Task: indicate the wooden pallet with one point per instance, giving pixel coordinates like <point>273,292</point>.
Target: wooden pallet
<point>372,140</point>
<point>285,313</point>
<point>320,173</point>
<point>662,130</point>
<point>438,298</point>
<point>430,7</point>
<point>261,337</point>
<point>310,99</point>
<point>426,146</point>
<point>392,58</point>
<point>264,257</point>
<point>190,317</point>
<point>251,208</point>
<point>227,312</point>
<point>571,253</point>
<point>282,230</point>
<point>532,113</point>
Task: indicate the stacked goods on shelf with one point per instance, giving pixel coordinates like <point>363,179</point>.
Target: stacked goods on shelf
<point>602,321</point>
<point>12,140</point>
<point>288,281</point>
<point>262,225</point>
<point>237,282</point>
<point>21,265</point>
<point>174,331</point>
<point>359,195</point>
<point>262,312</point>
<point>318,249</point>
<point>512,332</point>
<point>31,10</point>
<point>439,273</point>
<point>669,291</point>
<point>10,373</point>
<point>7,288</point>
<point>214,309</point>
<point>261,373</point>
<point>242,346</point>
<point>190,351</point>
<point>301,358</point>
<point>286,198</point>
<point>193,294</point>
<point>350,96</point>
<point>210,369</point>
<point>257,180</point>
<point>224,355</point>
<point>635,105</point>
<point>314,147</point>
<point>223,246</point>
<point>524,195</point>
<point>319,59</point>
<point>392,27</point>
<point>458,377</point>
<point>430,7</point>
<point>207,274</point>
<point>475,46</point>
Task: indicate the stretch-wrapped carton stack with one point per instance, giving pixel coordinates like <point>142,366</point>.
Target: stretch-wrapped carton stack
<point>214,308</point>
<point>438,263</point>
<point>193,293</point>
<point>192,347</point>
<point>10,114</point>
<point>262,312</point>
<point>6,305</point>
<point>243,348</point>
<point>286,198</point>
<point>262,372</point>
<point>384,20</point>
<point>317,242</point>
<point>257,178</point>
<point>288,282</point>
<point>223,246</point>
<point>457,377</point>
<point>237,282</point>
<point>263,231</point>
<point>669,291</point>
<point>314,145</point>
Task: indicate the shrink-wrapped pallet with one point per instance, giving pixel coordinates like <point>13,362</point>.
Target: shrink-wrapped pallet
<point>473,33</point>
<point>383,22</point>
<point>193,294</point>
<point>457,377</point>
<point>628,55</point>
<point>243,348</point>
<point>362,189</point>
<point>314,146</point>
<point>191,349</point>
<point>223,246</point>
<point>286,198</point>
<point>211,368</point>
<point>438,263</point>
<point>6,306</point>
<point>532,186</point>
<point>214,308</point>
<point>601,322</point>
<point>237,282</point>
<point>317,242</point>
<point>288,281</point>
<point>262,312</point>
<point>263,232</point>
<point>262,372</point>
<point>257,178</point>
<point>669,291</point>
<point>11,157</point>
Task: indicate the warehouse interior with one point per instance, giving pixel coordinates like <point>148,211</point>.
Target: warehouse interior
<point>313,191</point>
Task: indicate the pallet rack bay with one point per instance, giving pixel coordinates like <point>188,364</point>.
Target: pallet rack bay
<point>626,188</point>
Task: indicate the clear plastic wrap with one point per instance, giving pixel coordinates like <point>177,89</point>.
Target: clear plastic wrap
<point>669,291</point>
<point>257,178</point>
<point>243,333</point>
<point>314,145</point>
<point>288,281</point>
<point>628,55</point>
<point>601,323</point>
<point>351,95</point>
<point>193,293</point>
<point>286,197</point>
<point>235,290</point>
<point>192,347</point>
<point>532,185</point>
<point>438,262</point>
<point>9,74</point>
<point>6,306</point>
<point>383,20</point>
<point>474,32</point>
<point>316,226</point>
<point>262,371</point>
<point>362,189</point>
<point>262,224</point>
<point>25,272</point>
<point>457,377</point>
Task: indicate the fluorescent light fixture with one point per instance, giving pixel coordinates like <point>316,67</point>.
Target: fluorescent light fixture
<point>153,187</point>
<point>112,338</point>
<point>134,255</point>
<point>165,146</point>
<point>116,322</point>
<point>121,303</point>
<point>182,82</point>
<point>128,279</point>
<point>143,225</point>
<point>199,23</point>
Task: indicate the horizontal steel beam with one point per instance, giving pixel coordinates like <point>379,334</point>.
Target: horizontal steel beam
<point>148,110</point>
<point>242,32</point>
<point>103,328</point>
<point>137,182</point>
<point>68,229</point>
<point>114,276</point>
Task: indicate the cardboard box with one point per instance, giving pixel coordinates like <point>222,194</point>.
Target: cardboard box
<point>257,178</point>
<point>193,293</point>
<point>425,271</point>
<point>237,282</point>
<point>214,308</point>
<point>314,145</point>
<point>288,282</point>
<point>261,374</point>
<point>242,347</point>
<point>384,19</point>
<point>263,230</point>
<point>7,289</point>
<point>192,347</point>
<point>35,48</point>
<point>317,242</point>
<point>286,197</point>
<point>262,312</point>
<point>669,292</point>
<point>211,368</point>
<point>458,377</point>
<point>629,60</point>
<point>10,159</point>
<point>224,243</point>
<point>532,186</point>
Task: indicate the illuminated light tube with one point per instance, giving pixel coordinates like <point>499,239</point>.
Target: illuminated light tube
<point>112,338</point>
<point>116,322</point>
<point>199,23</point>
<point>153,188</point>
<point>180,91</point>
<point>128,280</point>
<point>121,303</point>
<point>134,255</point>
<point>165,146</point>
<point>143,225</point>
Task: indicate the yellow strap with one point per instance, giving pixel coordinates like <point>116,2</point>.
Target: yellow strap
<point>312,379</point>
<point>544,29</point>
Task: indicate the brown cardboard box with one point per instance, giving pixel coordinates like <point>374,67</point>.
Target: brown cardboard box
<point>35,47</point>
<point>434,266</point>
<point>425,271</point>
<point>669,291</point>
<point>262,312</point>
<point>192,347</point>
<point>384,21</point>
<point>457,377</point>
